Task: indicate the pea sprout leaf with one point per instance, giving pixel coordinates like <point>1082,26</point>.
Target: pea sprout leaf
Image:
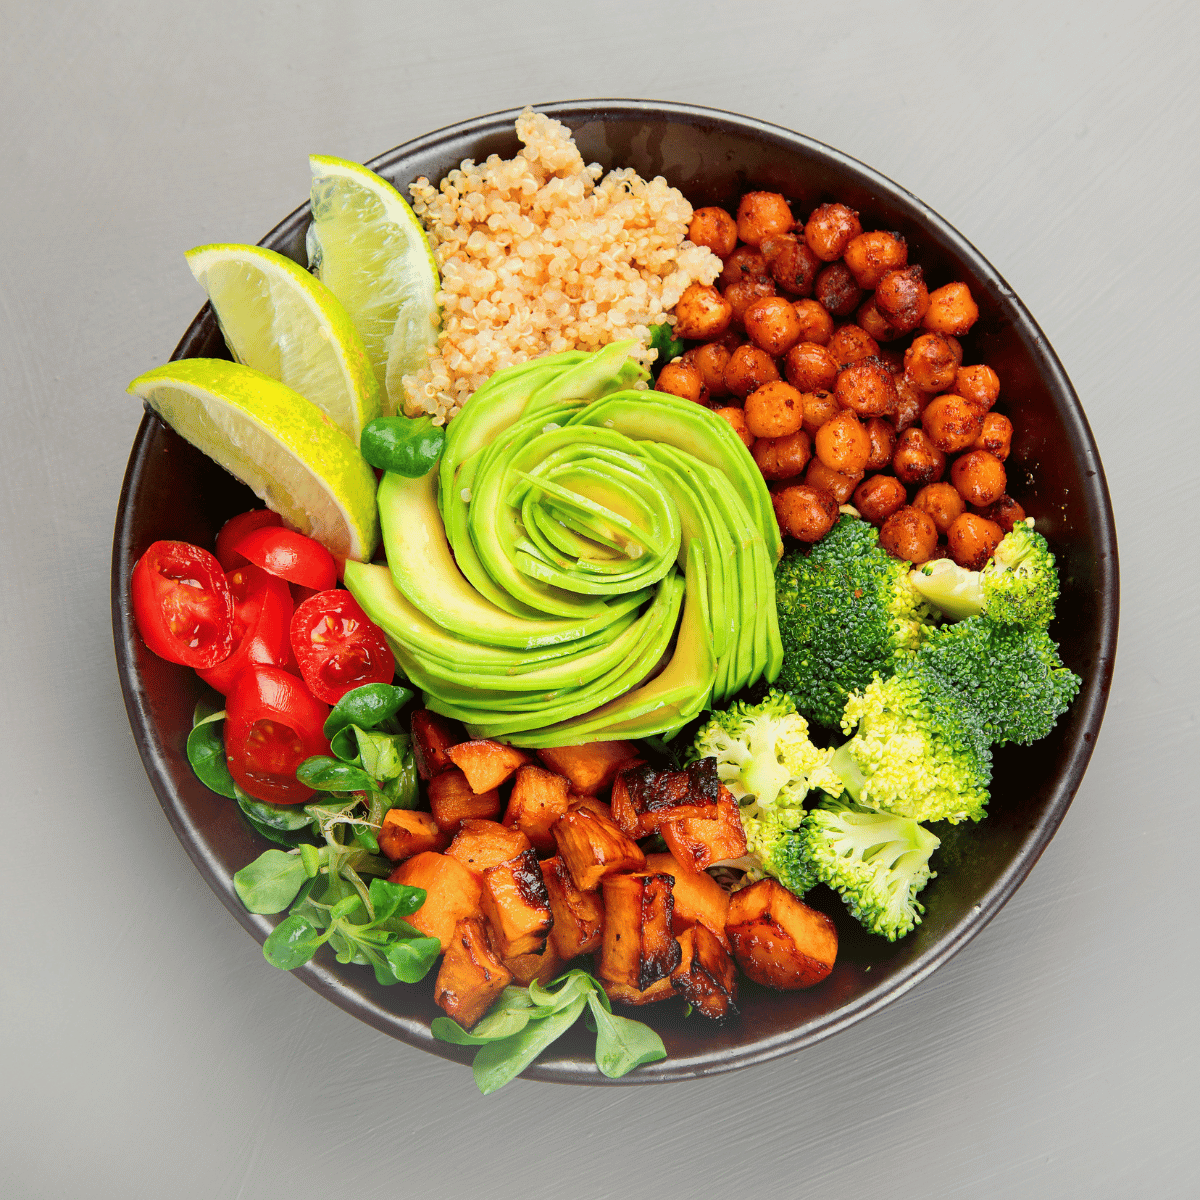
<point>411,958</point>
<point>292,942</point>
<point>502,1061</point>
<point>206,753</point>
<point>366,707</point>
<point>622,1044</point>
<point>325,774</point>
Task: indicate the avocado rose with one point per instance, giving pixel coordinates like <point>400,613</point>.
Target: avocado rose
<point>573,531</point>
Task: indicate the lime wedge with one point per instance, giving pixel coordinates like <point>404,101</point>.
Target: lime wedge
<point>369,249</point>
<point>285,449</point>
<point>279,319</point>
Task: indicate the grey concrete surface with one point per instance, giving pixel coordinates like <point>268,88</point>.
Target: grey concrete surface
<point>147,1049</point>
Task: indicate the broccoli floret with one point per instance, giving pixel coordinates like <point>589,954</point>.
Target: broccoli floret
<point>1017,586</point>
<point>878,862</point>
<point>766,760</point>
<point>846,612</point>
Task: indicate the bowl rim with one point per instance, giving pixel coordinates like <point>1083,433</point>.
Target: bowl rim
<point>1089,704</point>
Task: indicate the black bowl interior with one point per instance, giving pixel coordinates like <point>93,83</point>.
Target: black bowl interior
<point>172,491</point>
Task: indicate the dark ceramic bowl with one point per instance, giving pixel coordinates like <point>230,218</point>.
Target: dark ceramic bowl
<point>172,491</point>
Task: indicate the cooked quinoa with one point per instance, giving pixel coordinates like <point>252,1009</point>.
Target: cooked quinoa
<point>536,257</point>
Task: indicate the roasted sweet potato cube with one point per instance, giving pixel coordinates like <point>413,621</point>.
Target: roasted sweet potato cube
<point>453,802</point>
<point>538,799</point>
<point>592,766</point>
<point>451,893</point>
<point>699,843</point>
<point>638,947</point>
<point>544,967</point>
<point>578,916</point>
<point>706,974</point>
<point>593,847</point>
<point>486,764</point>
<point>777,939</point>
<point>624,993</point>
<point>516,905</point>
<point>644,797</point>
<point>479,845</point>
<point>600,807</point>
<point>698,897</point>
<point>405,832</point>
<point>471,977</point>
<point>432,736</point>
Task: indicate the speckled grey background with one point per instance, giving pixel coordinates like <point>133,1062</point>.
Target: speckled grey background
<point>147,1048</point>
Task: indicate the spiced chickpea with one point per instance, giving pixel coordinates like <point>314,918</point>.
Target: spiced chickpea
<point>878,496</point>
<point>744,263</point>
<point>942,502</point>
<point>951,310</point>
<point>843,444</point>
<point>737,419</point>
<point>761,214</point>
<point>930,363</point>
<point>681,379</point>
<point>891,358</point>
<point>774,410</point>
<point>951,422</point>
<point>841,485</point>
<point>715,229</point>
<point>867,387</point>
<point>883,444</point>
<point>979,477</point>
<point>910,402</point>
<point>818,408</point>
<point>874,322</point>
<point>902,297</point>
<point>917,460</point>
<point>909,534</point>
<point>979,384</point>
<point>810,367</point>
<point>804,512</point>
<point>772,325</point>
<point>749,368</point>
<point>816,325</point>
<point>782,457</point>
<point>702,313</point>
<point>836,290</point>
<point>793,265</point>
<point>972,540</point>
<point>744,293</point>
<point>710,360</point>
<point>829,230</point>
<point>850,344</point>
<point>995,436</point>
<point>1006,512</point>
<point>870,256</point>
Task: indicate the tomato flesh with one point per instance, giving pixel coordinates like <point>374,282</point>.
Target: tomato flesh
<point>182,604</point>
<point>338,646</point>
<point>236,528</point>
<point>290,555</point>
<point>262,614</point>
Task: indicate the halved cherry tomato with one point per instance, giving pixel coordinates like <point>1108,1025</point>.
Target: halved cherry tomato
<point>182,604</point>
<point>262,617</point>
<point>338,646</point>
<point>236,528</point>
<point>272,724</point>
<point>291,556</point>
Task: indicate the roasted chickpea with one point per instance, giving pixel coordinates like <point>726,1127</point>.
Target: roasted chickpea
<point>995,436</point>
<point>979,384</point>
<point>829,229</point>
<point>942,502</point>
<point>851,344</point>
<point>737,419</point>
<point>741,295</point>
<point>870,256</point>
<point>929,362</point>
<point>910,402</point>
<point>810,367</point>
<point>772,325</point>
<point>951,422</point>
<point>836,290</point>
<point>972,540</point>
<point>681,379</point>
<point>804,512</point>
<point>891,358</point>
<point>744,263</point>
<point>819,406</point>
<point>1006,512</point>
<point>749,368</point>
<point>843,444</point>
<point>917,460</point>
<point>710,360</point>
<point>715,229</point>
<point>702,313</point>
<point>816,325</point>
<point>868,388</point>
<point>878,496</point>
<point>951,310</point>
<point>883,444</point>
<point>909,534</point>
<point>874,322</point>
<point>782,457</point>
<point>774,410</point>
<point>979,477</point>
<point>902,297</point>
<point>842,486</point>
<point>793,265</point>
<point>761,214</point>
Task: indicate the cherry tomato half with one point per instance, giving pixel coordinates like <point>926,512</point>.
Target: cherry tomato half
<point>338,646</point>
<point>182,605</point>
<point>291,556</point>
<point>262,617</point>
<point>272,724</point>
<point>236,528</point>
